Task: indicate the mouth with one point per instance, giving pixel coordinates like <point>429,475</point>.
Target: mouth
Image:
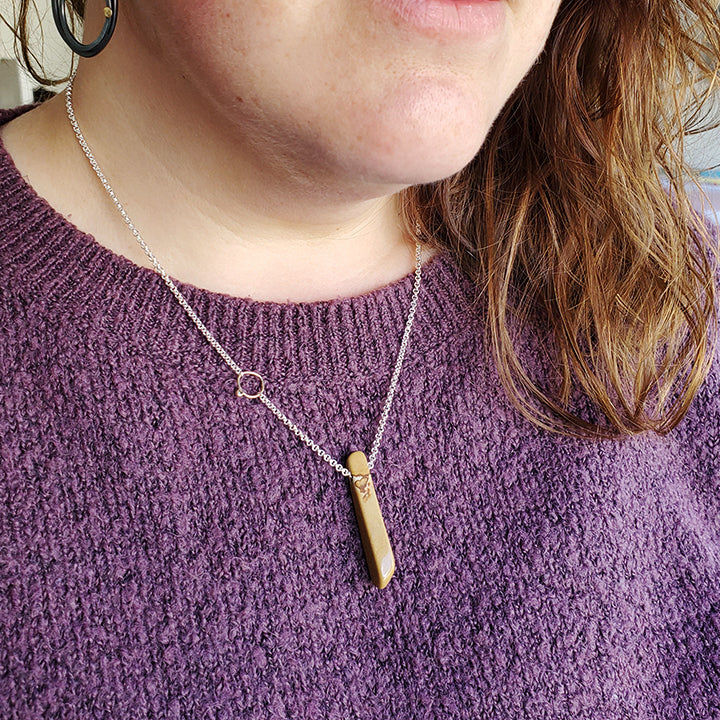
<point>473,19</point>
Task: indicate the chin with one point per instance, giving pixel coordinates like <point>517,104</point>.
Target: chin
<point>425,133</point>
<point>418,160</point>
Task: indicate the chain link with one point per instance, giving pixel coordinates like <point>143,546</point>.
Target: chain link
<point>279,414</point>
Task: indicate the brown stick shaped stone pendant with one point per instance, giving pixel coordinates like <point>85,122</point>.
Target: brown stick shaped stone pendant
<point>375,540</point>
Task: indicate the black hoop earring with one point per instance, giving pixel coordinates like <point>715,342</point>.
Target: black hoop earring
<point>58,9</point>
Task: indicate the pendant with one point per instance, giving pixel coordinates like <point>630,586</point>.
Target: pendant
<point>375,540</point>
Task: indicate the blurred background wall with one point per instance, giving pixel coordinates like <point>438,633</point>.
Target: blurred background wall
<point>16,87</point>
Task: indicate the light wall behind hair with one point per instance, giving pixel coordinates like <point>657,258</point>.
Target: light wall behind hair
<point>703,150</point>
<point>54,56</point>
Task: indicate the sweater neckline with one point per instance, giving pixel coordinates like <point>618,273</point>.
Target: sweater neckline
<point>62,266</point>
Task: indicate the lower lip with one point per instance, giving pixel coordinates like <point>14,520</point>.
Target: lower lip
<point>465,18</point>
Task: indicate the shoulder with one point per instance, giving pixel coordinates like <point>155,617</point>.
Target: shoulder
<point>33,234</point>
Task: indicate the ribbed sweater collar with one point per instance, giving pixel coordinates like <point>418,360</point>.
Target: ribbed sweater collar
<point>53,264</point>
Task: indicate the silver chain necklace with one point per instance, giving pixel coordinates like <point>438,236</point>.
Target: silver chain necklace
<point>372,529</point>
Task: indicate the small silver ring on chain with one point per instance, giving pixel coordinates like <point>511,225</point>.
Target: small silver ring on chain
<point>241,392</point>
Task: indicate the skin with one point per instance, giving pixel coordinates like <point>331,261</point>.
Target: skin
<point>259,145</point>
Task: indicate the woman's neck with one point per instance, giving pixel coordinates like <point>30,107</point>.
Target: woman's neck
<point>216,214</point>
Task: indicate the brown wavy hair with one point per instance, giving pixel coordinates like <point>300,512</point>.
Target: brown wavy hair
<point>574,222</point>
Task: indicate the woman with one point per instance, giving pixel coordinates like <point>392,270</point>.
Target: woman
<point>535,400</point>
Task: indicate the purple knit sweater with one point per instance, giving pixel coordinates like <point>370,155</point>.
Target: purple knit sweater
<point>168,550</point>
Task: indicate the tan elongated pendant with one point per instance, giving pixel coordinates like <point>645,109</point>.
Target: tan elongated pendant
<point>375,540</point>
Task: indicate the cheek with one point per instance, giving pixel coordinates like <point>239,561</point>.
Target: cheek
<point>206,38</point>
<point>536,27</point>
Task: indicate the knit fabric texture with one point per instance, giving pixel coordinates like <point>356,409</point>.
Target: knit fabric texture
<point>168,550</point>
